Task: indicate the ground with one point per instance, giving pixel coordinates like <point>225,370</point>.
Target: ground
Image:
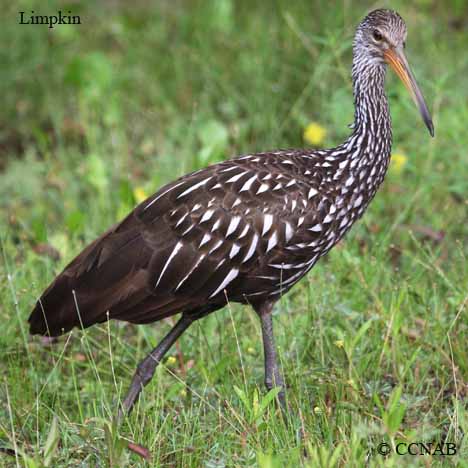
<point>372,343</point>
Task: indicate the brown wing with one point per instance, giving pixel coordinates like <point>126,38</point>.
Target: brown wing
<point>228,231</point>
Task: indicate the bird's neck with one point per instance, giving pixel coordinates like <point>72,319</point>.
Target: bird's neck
<point>371,115</point>
<point>366,153</point>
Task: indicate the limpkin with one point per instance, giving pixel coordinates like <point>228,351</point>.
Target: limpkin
<point>244,230</point>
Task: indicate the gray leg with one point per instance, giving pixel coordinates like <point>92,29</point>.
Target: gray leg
<point>273,376</point>
<point>146,368</point>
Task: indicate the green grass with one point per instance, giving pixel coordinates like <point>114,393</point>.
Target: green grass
<point>372,342</point>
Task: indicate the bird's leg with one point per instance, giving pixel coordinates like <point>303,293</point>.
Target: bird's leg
<point>273,376</point>
<point>146,368</point>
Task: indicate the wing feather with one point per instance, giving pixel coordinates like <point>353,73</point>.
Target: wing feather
<point>197,240</point>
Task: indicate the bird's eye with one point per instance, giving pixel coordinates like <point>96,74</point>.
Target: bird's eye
<point>377,35</point>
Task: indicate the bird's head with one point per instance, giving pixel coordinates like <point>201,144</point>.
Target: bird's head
<point>381,39</point>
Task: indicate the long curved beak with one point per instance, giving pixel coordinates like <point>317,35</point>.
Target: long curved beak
<point>395,57</point>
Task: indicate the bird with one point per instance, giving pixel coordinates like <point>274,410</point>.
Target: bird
<point>245,230</point>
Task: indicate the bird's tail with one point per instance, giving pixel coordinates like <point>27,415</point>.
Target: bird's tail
<point>56,311</point>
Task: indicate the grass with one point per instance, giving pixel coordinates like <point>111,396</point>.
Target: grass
<point>372,342</point>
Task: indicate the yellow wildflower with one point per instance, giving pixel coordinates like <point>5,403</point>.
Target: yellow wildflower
<point>183,393</point>
<point>139,194</point>
<point>398,162</point>
<point>314,133</point>
<point>318,410</point>
<point>351,383</point>
<point>339,343</point>
<point>251,350</point>
<point>171,360</point>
